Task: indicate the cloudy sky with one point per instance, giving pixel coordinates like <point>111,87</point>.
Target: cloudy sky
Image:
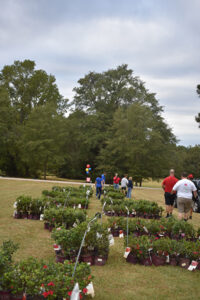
<point>159,40</point>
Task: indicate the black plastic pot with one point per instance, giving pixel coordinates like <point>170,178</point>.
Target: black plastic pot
<point>132,259</point>
<point>158,260</point>
<point>88,258</point>
<point>46,225</point>
<point>100,261</point>
<point>184,262</point>
<point>146,261</point>
<point>173,261</point>
<point>115,232</point>
<point>4,295</point>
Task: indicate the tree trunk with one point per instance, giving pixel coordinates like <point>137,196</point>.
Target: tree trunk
<point>140,182</point>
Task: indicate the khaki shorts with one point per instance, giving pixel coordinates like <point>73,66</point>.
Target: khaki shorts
<point>184,205</point>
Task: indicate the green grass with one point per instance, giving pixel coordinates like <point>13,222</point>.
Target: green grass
<point>117,279</point>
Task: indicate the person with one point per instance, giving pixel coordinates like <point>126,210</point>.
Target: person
<point>167,186</point>
<point>191,177</point>
<point>185,189</point>
<point>124,183</point>
<point>103,176</point>
<point>99,185</point>
<point>116,181</point>
<point>130,187</point>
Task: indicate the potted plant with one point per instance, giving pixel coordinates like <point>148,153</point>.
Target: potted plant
<point>161,248</point>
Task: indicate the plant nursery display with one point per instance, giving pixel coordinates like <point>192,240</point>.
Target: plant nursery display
<point>67,217</point>
<point>137,208</point>
<point>96,246</point>
<point>27,207</point>
<point>38,279</point>
<point>147,251</point>
<point>169,227</point>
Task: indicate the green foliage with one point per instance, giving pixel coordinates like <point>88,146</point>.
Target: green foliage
<point>64,216</point>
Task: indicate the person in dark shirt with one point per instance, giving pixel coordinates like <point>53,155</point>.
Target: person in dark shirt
<point>130,187</point>
<point>191,177</point>
<point>99,182</point>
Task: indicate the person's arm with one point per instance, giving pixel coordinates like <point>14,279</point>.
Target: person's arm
<point>174,190</point>
<point>163,185</point>
<point>195,194</point>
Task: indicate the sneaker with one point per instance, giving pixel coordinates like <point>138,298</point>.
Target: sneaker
<point>190,217</point>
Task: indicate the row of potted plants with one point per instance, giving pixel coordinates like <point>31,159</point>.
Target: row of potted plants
<point>137,208</point>
<point>62,192</point>
<point>27,207</point>
<point>169,227</point>
<point>35,279</point>
<point>95,249</point>
<point>148,251</point>
<point>67,217</point>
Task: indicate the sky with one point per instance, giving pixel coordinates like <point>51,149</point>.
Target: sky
<point>158,39</point>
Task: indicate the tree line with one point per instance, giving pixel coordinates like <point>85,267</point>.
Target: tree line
<point>113,123</point>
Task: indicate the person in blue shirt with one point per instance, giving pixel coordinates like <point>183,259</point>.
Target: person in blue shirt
<point>99,182</point>
<point>103,176</point>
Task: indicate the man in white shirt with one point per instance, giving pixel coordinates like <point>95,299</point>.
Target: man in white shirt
<point>185,190</point>
<point>124,183</point>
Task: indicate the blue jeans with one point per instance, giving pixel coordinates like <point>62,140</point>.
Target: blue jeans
<point>98,192</point>
<point>116,186</point>
<point>128,195</point>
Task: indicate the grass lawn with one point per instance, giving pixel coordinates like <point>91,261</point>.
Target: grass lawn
<point>117,280</point>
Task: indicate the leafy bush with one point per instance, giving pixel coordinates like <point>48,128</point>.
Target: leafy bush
<point>64,216</point>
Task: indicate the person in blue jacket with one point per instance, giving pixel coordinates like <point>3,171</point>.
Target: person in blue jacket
<point>103,176</point>
<point>99,182</point>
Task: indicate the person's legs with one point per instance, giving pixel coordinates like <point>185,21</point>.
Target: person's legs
<point>181,208</point>
<point>96,191</point>
<point>117,186</point>
<point>129,193</point>
<point>168,203</point>
<point>99,194</point>
<point>187,208</point>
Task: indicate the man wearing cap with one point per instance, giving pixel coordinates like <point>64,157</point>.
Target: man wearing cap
<point>167,186</point>
<point>185,189</point>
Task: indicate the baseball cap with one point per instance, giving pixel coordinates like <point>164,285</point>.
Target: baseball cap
<point>190,176</point>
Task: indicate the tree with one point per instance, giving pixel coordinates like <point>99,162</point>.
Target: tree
<point>197,118</point>
<point>138,146</point>
<point>42,140</point>
<point>22,90</point>
<point>192,161</point>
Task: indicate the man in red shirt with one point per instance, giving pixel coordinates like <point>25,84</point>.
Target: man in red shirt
<point>116,181</point>
<point>167,186</point>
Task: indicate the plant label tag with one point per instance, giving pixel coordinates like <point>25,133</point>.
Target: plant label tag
<point>15,205</point>
<point>41,217</point>
<point>90,289</point>
<point>99,235</point>
<point>99,259</point>
<point>127,251</point>
<point>167,259</point>
<point>121,234</point>
<point>109,229</point>
<point>161,234</point>
<point>145,229</point>
<point>74,207</point>
<point>193,265</point>
<point>74,225</point>
<point>14,213</point>
<point>111,240</point>
<point>89,263</point>
<point>79,206</point>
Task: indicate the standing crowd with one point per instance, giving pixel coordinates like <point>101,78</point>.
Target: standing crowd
<point>126,184</point>
<point>184,190</point>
